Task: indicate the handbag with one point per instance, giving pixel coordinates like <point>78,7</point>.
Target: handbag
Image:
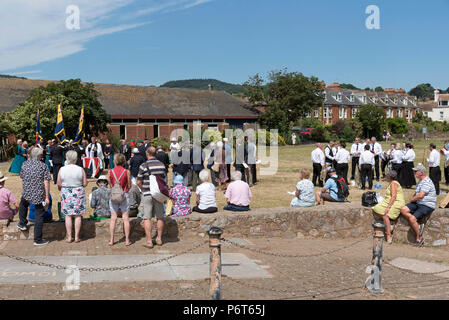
<point>369,199</point>
<point>159,189</point>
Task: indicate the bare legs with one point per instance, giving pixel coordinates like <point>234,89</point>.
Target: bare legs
<point>319,199</point>
<point>125,216</point>
<point>387,223</point>
<point>149,228</point>
<point>412,220</point>
<point>68,227</point>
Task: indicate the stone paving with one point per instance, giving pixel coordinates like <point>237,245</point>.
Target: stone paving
<point>337,275</point>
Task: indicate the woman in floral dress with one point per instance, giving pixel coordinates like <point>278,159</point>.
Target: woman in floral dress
<point>71,182</point>
<point>180,195</point>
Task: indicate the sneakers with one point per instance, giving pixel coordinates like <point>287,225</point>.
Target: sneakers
<point>22,228</point>
<point>41,242</point>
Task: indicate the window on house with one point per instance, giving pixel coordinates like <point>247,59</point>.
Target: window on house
<point>339,97</point>
<point>308,115</point>
<point>325,113</point>
<point>426,113</point>
<point>330,113</point>
<point>441,115</point>
<point>363,98</point>
<point>405,101</point>
<point>400,113</point>
<point>443,103</point>
<point>388,113</point>
<point>354,112</point>
<point>351,98</point>
<point>316,113</point>
<point>386,99</point>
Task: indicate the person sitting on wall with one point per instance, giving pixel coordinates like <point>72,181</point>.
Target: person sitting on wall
<point>330,189</point>
<point>6,200</point>
<point>238,194</point>
<point>205,195</point>
<point>390,207</point>
<point>305,196</point>
<point>422,203</point>
<point>100,199</point>
<point>135,197</point>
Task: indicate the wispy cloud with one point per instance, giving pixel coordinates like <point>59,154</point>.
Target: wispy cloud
<point>23,73</point>
<point>35,31</point>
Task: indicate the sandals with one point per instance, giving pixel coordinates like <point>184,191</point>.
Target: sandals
<point>149,245</point>
<point>419,243</point>
<point>159,242</point>
<point>389,240</point>
<point>69,240</point>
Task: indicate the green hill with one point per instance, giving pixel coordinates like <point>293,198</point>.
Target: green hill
<point>10,77</point>
<point>203,84</point>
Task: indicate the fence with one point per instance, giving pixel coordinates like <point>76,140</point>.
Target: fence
<point>328,274</point>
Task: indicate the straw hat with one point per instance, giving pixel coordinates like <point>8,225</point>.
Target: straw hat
<point>2,177</point>
<point>102,178</point>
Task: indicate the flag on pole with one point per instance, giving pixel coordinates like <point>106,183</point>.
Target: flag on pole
<point>79,133</point>
<point>59,130</point>
<point>38,128</point>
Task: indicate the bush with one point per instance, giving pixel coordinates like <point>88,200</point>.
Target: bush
<point>319,134</point>
<point>397,125</point>
<point>161,141</point>
<point>348,134</point>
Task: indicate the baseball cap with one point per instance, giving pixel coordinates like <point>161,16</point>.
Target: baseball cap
<point>178,179</point>
<point>135,150</point>
<point>420,167</point>
<point>331,170</point>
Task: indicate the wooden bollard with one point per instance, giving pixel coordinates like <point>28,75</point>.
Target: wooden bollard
<point>215,262</point>
<point>374,282</point>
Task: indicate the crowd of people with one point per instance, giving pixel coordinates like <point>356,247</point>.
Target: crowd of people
<point>127,191</point>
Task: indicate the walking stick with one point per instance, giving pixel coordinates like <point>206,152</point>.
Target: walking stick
<point>424,157</point>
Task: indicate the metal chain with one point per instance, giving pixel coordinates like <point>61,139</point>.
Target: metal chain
<point>61,267</point>
<point>283,255</point>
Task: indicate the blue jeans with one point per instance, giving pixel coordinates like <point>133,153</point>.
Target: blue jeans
<point>233,207</point>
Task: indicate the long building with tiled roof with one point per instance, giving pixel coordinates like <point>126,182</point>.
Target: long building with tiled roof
<point>143,111</point>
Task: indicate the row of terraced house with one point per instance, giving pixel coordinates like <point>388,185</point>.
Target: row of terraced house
<point>340,104</point>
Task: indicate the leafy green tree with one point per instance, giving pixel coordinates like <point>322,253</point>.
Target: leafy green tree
<point>372,119</point>
<point>379,89</point>
<point>368,89</point>
<point>397,125</point>
<point>348,134</point>
<point>423,91</point>
<point>72,95</point>
<point>419,117</point>
<point>287,97</point>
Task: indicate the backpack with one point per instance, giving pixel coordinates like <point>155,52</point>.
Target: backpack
<point>117,193</point>
<point>369,199</point>
<point>342,186</point>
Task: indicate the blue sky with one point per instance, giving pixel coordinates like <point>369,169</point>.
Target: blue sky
<point>149,42</point>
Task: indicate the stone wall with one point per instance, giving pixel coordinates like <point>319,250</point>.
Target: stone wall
<point>330,221</point>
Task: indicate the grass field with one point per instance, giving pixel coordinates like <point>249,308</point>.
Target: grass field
<point>270,191</point>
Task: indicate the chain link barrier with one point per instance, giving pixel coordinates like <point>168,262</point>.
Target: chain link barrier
<point>90,269</point>
<point>284,255</point>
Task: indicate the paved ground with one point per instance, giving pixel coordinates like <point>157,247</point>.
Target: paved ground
<point>337,275</point>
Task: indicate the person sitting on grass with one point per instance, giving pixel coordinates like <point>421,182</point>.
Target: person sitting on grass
<point>390,207</point>
<point>330,189</point>
<point>205,195</point>
<point>305,196</point>
<point>6,200</point>
<point>180,195</point>
<point>100,199</point>
<point>238,194</point>
<point>422,203</point>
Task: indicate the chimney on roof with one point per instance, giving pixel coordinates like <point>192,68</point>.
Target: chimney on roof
<point>437,94</point>
<point>210,87</point>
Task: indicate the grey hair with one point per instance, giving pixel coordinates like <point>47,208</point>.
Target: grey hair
<point>392,174</point>
<point>204,175</point>
<point>36,153</point>
<point>236,175</point>
<point>71,157</point>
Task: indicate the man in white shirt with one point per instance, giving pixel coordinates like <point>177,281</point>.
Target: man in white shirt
<point>318,164</point>
<point>445,152</point>
<point>366,164</point>
<point>342,158</point>
<point>434,167</point>
<point>335,150</point>
<point>386,156</point>
<point>356,150</point>
<point>396,158</point>
<point>329,154</point>
<point>93,151</point>
<point>376,149</point>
